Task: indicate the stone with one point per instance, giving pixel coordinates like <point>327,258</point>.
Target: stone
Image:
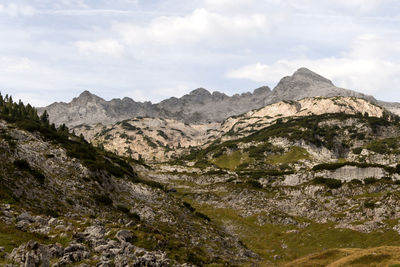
<point>95,232</point>
<point>124,236</point>
<point>25,217</point>
<point>75,247</point>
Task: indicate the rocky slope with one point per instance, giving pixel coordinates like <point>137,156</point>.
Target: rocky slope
<point>162,139</point>
<point>305,83</point>
<point>300,185</point>
<point>200,106</point>
<point>64,203</point>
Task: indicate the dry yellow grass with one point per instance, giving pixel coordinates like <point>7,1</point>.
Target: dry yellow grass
<point>381,256</point>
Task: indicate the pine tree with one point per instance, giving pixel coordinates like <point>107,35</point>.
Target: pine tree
<point>45,118</point>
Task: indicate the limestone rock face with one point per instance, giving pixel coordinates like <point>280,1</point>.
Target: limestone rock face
<point>305,83</point>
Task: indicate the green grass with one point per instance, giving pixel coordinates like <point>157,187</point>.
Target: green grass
<point>267,240</point>
<point>369,259</point>
<point>385,146</point>
<point>11,238</point>
<point>294,155</point>
<point>232,161</point>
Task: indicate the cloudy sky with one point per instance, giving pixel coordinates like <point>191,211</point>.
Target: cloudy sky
<point>52,50</point>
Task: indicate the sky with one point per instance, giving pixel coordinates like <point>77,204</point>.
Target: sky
<point>149,50</point>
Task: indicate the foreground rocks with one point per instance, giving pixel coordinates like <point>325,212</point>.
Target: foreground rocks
<point>91,247</point>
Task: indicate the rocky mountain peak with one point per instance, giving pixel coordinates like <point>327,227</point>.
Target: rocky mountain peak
<point>262,90</point>
<point>86,97</point>
<point>306,74</point>
<point>200,92</point>
<point>306,83</point>
<point>302,79</point>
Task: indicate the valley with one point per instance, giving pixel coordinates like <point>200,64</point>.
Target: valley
<point>306,175</point>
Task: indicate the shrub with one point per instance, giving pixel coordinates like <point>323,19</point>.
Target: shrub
<point>328,166</point>
<point>134,215</point>
<point>356,181</point>
<point>188,206</point>
<point>162,134</point>
<point>103,200</point>
<point>38,175</point>
<point>329,182</point>
<point>30,126</point>
<point>369,205</point>
<point>357,150</point>
<point>255,184</point>
<point>70,201</point>
<point>203,216</point>
<point>370,180</point>
<point>129,127</point>
<point>123,209</point>
<point>22,164</point>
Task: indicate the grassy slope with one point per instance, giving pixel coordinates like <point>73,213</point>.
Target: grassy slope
<point>268,240</point>
<point>295,154</point>
<point>380,256</point>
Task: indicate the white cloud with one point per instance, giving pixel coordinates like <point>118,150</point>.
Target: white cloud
<point>72,3</point>
<point>360,5</point>
<point>228,4</point>
<point>199,26</point>
<point>14,10</point>
<point>106,46</point>
<point>14,64</point>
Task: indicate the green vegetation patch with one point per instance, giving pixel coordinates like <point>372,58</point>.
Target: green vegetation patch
<point>329,182</point>
<point>294,155</point>
<point>24,166</point>
<point>384,146</point>
<point>267,239</point>
<point>370,259</point>
<point>232,161</point>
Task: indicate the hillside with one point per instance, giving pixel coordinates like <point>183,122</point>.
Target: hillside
<point>290,179</point>
<point>299,186</point>
<point>199,106</point>
<point>162,139</point>
<point>64,202</point>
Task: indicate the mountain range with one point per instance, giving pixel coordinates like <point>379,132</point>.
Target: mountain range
<point>200,105</point>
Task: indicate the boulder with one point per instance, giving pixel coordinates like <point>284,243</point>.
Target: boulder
<point>124,236</point>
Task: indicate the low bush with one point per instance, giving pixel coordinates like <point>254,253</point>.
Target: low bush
<point>123,209</point>
<point>254,183</point>
<point>369,205</point>
<point>203,216</point>
<point>188,206</point>
<point>22,164</point>
<point>329,182</point>
<point>103,200</point>
<point>370,180</point>
<point>134,215</point>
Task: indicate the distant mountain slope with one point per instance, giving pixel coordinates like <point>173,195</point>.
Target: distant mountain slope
<point>305,83</point>
<point>160,139</point>
<point>199,106</point>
